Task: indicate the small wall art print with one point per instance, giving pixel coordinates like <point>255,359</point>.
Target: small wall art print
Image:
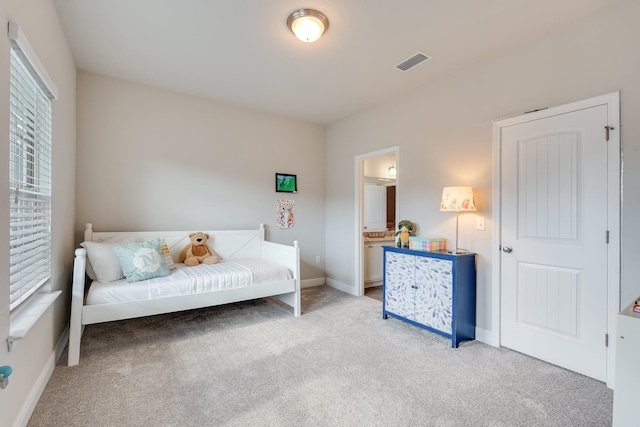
<point>284,214</point>
<point>286,183</point>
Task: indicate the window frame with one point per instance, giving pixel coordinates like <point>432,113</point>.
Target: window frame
<point>30,171</point>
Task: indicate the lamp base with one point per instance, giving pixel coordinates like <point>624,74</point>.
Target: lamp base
<point>459,251</point>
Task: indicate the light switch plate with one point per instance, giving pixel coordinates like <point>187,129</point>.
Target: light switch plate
<point>480,224</point>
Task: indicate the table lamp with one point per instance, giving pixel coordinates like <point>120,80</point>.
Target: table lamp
<point>458,199</point>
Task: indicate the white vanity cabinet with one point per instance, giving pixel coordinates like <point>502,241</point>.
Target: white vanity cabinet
<point>372,261</point>
<point>626,398</point>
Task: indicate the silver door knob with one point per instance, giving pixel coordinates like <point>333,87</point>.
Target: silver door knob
<point>507,249</point>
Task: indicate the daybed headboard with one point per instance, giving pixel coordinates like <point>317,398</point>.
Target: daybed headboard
<point>228,244</point>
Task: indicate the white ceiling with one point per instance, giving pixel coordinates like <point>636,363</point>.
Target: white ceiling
<point>241,51</point>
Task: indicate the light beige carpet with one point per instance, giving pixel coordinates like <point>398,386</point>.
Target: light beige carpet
<point>339,364</point>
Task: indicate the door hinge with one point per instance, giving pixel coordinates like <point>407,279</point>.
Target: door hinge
<point>607,129</point>
<point>606,239</point>
<point>606,340</point>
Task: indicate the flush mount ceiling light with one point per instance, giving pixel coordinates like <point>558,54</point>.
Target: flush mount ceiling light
<point>307,24</point>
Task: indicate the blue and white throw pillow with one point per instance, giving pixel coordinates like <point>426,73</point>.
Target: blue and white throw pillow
<point>141,261</point>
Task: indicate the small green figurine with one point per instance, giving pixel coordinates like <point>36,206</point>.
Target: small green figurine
<point>405,229</point>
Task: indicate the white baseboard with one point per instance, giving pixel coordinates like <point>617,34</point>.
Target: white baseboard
<point>310,283</point>
<point>34,395</point>
<point>487,337</point>
<point>341,286</point>
<point>62,343</point>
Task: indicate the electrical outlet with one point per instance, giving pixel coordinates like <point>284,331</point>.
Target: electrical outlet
<point>480,224</point>
<point>317,259</point>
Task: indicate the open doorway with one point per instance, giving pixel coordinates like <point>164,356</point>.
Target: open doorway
<point>377,194</point>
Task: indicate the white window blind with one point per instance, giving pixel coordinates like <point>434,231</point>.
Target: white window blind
<point>29,182</point>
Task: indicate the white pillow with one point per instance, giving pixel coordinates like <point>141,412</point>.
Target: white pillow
<point>102,263</point>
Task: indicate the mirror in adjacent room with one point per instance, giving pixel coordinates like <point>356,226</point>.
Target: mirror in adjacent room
<point>379,193</point>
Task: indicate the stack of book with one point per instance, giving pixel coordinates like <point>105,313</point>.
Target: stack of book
<point>636,305</point>
<point>431,244</point>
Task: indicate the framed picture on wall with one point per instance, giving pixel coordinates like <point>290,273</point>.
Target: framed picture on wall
<point>286,183</point>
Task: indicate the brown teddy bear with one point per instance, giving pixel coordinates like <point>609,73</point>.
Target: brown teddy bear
<point>198,251</point>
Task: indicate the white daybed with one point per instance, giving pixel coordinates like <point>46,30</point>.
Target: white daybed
<point>237,246</point>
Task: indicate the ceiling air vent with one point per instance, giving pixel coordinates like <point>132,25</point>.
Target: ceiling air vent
<point>416,59</point>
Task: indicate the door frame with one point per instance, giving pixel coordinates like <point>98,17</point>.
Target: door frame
<point>359,208</point>
<point>614,188</point>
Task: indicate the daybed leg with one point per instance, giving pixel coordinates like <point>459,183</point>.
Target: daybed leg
<point>297,310</point>
<point>77,301</point>
<point>297,303</point>
<point>297,299</point>
<point>292,299</point>
<point>74,345</point>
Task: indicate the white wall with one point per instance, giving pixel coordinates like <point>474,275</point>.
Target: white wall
<point>379,166</point>
<point>150,159</point>
<point>33,357</point>
<point>444,132</point>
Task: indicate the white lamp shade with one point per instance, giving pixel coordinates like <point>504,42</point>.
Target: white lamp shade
<point>308,24</point>
<point>457,199</point>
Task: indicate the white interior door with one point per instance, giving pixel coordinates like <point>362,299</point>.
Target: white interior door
<point>375,207</point>
<point>554,239</point>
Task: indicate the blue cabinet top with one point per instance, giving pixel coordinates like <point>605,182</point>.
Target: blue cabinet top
<point>432,254</point>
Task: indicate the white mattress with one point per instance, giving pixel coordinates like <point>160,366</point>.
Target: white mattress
<point>189,280</point>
